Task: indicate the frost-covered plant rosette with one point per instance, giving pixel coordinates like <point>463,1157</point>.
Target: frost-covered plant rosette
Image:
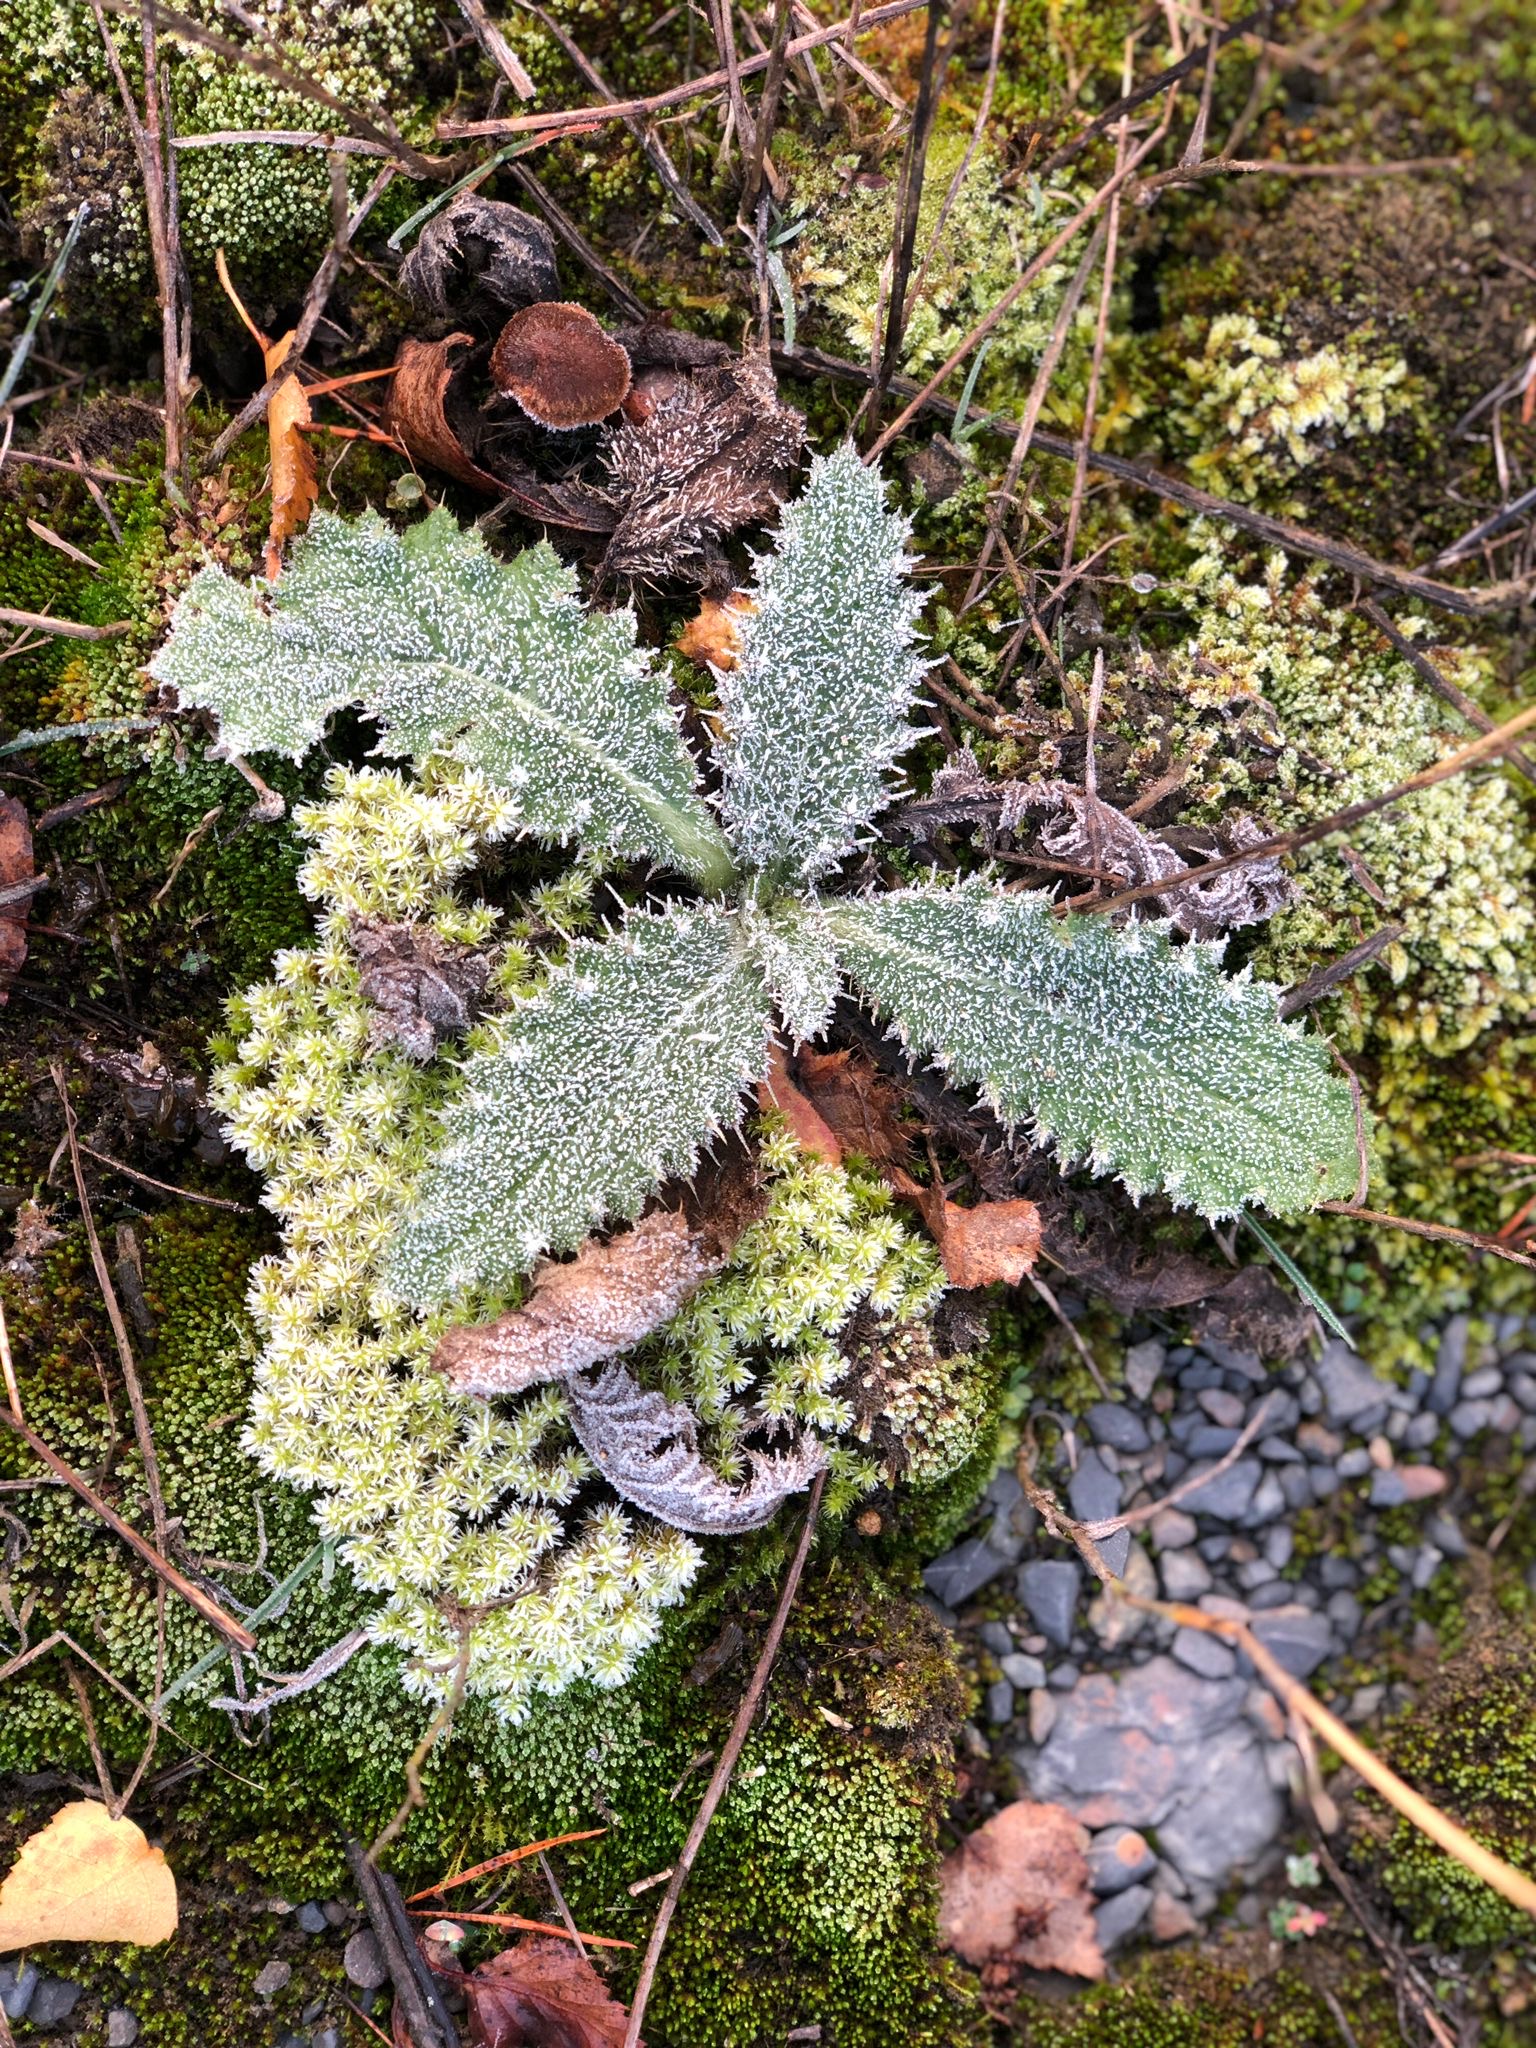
<point>421,1171</point>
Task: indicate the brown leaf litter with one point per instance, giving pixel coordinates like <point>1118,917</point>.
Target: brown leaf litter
<point>542,1994</point>
<point>419,987</point>
<point>1016,1893</point>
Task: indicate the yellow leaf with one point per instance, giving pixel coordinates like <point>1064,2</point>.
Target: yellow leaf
<point>87,1877</point>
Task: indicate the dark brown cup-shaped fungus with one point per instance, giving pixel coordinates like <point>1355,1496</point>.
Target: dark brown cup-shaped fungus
<point>560,366</point>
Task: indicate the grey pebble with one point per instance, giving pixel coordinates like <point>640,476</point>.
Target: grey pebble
<point>1258,1571</point>
<point>1346,1614</point>
<point>1117,1857</point>
<point>1279,1543</point>
<point>1000,1703</point>
<point>1354,1464</point>
<point>1048,1587</point>
<point>1027,1673</point>
<point>1094,1492</point>
<point>1112,1423</point>
<point>363,1960</point>
<point>18,1981</point>
<point>1224,1409</point>
<point>1421,1432</point>
<point>1268,1501</point>
<point>1205,1654</point>
<point>997,1637</point>
<point>328,2037</point>
<point>1276,1450</point>
<point>1450,1359</point>
<point>1297,1640</point>
<point>1425,1565</point>
<point>1171,1529</point>
<point>1200,1372</point>
<point>1296,1485</point>
<point>1477,1386</point>
<point>960,1572</point>
<point>1388,1490</point>
<point>1064,1676</point>
<point>1523,1387</point>
<point>1349,1387</point>
<point>1470,1418</point>
<point>1043,1709</point>
<point>1144,1365</point>
<point>272,1979</point>
<point>1209,1440</point>
<point>1117,1919</point>
<point>1443,1531</point>
<point>310,1918</point>
<point>1228,1495</point>
<point>1337,1572</point>
<point>1325,1482</point>
<point>1278,1593</point>
<point>54,2000</point>
<point>122,2028</point>
<point>1184,1575</point>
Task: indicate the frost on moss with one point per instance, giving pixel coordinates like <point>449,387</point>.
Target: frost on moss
<point>1346,718</point>
<point>1254,413</point>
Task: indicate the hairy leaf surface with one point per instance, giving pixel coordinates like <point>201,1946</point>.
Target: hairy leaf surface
<point>496,663</point>
<point>1141,1059</point>
<point>604,1083</point>
<point>816,707</point>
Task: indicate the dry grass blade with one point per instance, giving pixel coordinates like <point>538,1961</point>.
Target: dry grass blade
<point>499,50</point>
<point>69,629</point>
<point>527,1926</point>
<point>435,1891</point>
<point>1444,1233</point>
<point>723,1769</point>
<point>1442,685</point>
<point>577,242</point>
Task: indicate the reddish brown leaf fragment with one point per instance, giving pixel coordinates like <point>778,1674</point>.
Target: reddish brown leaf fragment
<point>423,372</point>
<point>995,1241</point>
<point>859,1105</point>
<point>1017,1892</point>
<point>15,868</point>
<point>560,366</point>
<point>712,637</point>
<point>542,1994</point>
<point>295,480</point>
<point>808,1127</point>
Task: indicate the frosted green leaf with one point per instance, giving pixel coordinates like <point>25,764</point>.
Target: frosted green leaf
<point>604,1083</point>
<point>816,710</point>
<point>496,663</point>
<point>1132,1055</point>
<point>798,957</point>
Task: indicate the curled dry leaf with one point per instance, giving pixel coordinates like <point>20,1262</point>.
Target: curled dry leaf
<point>480,259</point>
<point>416,408</point>
<point>712,637</point>
<point>542,1994</point>
<point>560,366</point>
<point>295,480</point>
<point>994,1242</point>
<point>647,1448</point>
<point>1017,1892</point>
<point>858,1103</point>
<point>419,987</point>
<point>604,1301</point>
<point>87,1877</point>
<point>16,870</point>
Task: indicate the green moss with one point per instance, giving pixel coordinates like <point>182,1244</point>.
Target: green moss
<point>1469,1744</point>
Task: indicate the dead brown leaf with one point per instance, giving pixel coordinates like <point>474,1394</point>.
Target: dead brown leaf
<point>995,1241</point>
<point>1017,1892</point>
<point>420,989</point>
<point>808,1127</point>
<point>423,372</point>
<point>15,867</point>
<point>858,1105</point>
<point>87,1877</point>
<point>604,1301</point>
<point>542,1994</point>
<point>295,480</point>
<point>712,637</point>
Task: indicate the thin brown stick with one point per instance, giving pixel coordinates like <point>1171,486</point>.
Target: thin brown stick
<point>194,1595</point>
<point>436,1729</point>
<point>68,629</point>
<point>722,22</point>
<point>106,476</point>
<point>656,152</point>
<point>83,1702</point>
<point>759,164</point>
<point>1324,979</point>
<point>577,242</point>
<point>1442,685</point>
<point>675,95</point>
<point>283,138</point>
<point>1489,747</point>
<point>1445,1233</point>
<point>498,49</point>
<point>165,1187</point>
<point>1020,285</point>
<point>315,299</point>
<point>1139,95</point>
<point>721,1779</point>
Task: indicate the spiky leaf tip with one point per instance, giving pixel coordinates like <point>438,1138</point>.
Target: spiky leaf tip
<point>1127,1053</point>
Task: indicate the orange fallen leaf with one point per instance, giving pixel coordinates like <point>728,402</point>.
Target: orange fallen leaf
<point>87,1877</point>
<point>295,480</point>
<point>712,637</point>
<point>15,866</point>
<point>808,1127</point>
<point>1017,1891</point>
<point>995,1241</point>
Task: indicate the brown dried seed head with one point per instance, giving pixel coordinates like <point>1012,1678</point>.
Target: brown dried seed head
<point>560,366</point>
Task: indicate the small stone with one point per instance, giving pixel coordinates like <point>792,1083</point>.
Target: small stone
<point>1064,1676</point>
<point>1507,1416</point>
<point>1443,1531</point>
<point>1387,1490</point>
<point>1144,1365</point>
<point>1185,1576</point>
<point>1043,1709</point>
<point>1206,1654</point>
<point>1268,1501</point>
<point>310,1918</point>
<point>1094,1493</point>
<point>53,2001</point>
<point>1470,1418</point>
<point>336,1914</point>
<point>1048,1587</point>
<point>1349,1387</point>
<point>1276,1593</point>
<point>1000,1703</point>
<point>1256,1572</point>
<point>960,1572</point>
<point>18,1983</point>
<point>1363,1703</point>
<point>1297,1640</point>
<point>1379,1451</point>
<point>1170,1919</point>
<point>1279,1544</point>
<point>311,2012</point>
<point>1450,1359</point>
<point>1172,1530</point>
<point>1265,1712</point>
<point>1224,1409</point>
<point>1112,1618</point>
<point>1112,1423</point>
<point>1117,1919</point>
<point>1319,1443</point>
<point>1421,1482</point>
<point>1425,1565</point>
<point>1227,1496</point>
<point>1354,1464</point>
<point>363,1960</point>
<point>1477,1386</point>
<point>1274,1450</point>
<point>1208,1441</point>
<point>1027,1673</point>
<point>997,1638</point>
<point>1118,1857</point>
<point>1421,1432</point>
<point>1222,1608</point>
<point>1523,1387</point>
<point>328,2037</point>
<point>122,2028</point>
<point>272,1979</point>
<point>1325,1482</point>
<point>1346,1614</point>
<point>1296,1485</point>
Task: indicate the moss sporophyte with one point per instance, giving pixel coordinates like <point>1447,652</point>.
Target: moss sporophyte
<point>417,1194</point>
